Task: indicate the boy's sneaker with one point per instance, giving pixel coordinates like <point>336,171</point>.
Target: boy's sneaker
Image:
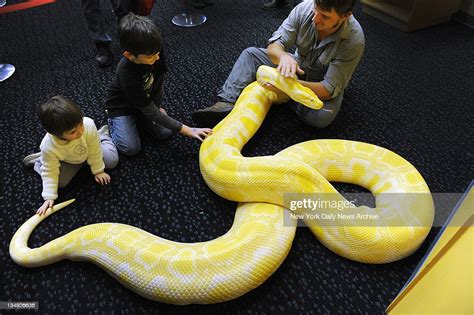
<point>104,131</point>
<point>31,159</point>
<point>211,116</point>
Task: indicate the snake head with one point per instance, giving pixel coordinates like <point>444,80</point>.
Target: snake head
<point>310,100</point>
<point>316,103</point>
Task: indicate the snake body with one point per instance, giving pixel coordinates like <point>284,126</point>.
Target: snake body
<point>263,230</point>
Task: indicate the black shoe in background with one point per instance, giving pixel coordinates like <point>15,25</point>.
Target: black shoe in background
<point>275,4</point>
<point>198,4</point>
<point>103,57</point>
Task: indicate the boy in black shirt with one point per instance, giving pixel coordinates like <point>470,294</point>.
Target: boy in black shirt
<point>135,95</point>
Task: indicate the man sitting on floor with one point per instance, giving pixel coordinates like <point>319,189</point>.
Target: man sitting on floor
<point>329,45</point>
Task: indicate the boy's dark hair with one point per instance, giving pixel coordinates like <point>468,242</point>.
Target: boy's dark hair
<point>139,35</point>
<point>59,115</point>
<point>340,6</point>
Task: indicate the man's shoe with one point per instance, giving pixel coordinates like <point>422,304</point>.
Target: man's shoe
<point>103,57</point>
<point>31,159</point>
<point>211,116</point>
<point>275,4</point>
<point>198,4</point>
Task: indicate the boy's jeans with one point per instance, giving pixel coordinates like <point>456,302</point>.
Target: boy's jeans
<point>124,133</point>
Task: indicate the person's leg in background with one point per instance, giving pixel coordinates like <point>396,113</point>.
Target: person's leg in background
<point>122,7</point>
<point>92,13</point>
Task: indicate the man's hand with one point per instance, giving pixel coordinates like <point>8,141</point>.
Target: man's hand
<point>163,110</point>
<point>46,205</point>
<point>102,178</point>
<point>197,133</point>
<point>288,66</point>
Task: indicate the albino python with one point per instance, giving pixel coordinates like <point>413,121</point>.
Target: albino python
<point>263,230</point>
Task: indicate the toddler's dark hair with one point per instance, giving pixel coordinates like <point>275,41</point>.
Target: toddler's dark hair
<point>59,115</point>
<point>139,35</point>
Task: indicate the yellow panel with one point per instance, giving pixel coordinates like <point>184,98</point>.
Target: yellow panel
<point>447,287</point>
<point>460,217</point>
<point>444,282</point>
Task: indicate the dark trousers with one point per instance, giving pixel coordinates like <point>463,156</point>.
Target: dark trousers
<point>93,12</point>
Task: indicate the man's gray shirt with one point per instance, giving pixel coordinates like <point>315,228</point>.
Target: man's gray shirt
<point>332,61</point>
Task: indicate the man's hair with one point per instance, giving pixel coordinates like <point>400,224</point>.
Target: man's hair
<point>340,6</point>
<point>139,35</point>
<point>59,115</point>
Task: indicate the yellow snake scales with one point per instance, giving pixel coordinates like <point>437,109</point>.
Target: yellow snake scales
<point>261,235</point>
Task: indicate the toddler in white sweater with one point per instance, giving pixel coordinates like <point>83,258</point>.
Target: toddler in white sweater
<point>71,141</point>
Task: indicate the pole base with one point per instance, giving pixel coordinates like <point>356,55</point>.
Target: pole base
<point>6,71</point>
<point>189,20</point>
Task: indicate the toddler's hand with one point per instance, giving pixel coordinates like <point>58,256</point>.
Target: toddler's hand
<point>102,178</point>
<point>46,205</point>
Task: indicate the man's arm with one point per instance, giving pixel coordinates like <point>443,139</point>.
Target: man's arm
<point>340,69</point>
<point>321,92</point>
<point>275,51</point>
<point>338,74</point>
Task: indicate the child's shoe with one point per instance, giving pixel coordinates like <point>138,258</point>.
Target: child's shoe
<point>104,131</point>
<point>31,159</point>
